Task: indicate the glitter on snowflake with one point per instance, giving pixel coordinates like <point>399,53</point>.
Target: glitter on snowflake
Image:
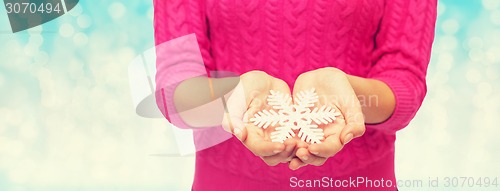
<point>297,116</point>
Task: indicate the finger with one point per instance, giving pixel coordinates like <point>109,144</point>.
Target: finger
<point>301,143</point>
<point>264,148</point>
<point>261,147</point>
<point>296,163</point>
<point>254,107</point>
<point>239,130</point>
<point>271,160</point>
<point>234,108</point>
<point>284,156</point>
<point>290,145</point>
<point>235,126</point>
<point>303,154</point>
<point>309,158</point>
<point>354,118</point>
<point>329,147</point>
<point>355,127</point>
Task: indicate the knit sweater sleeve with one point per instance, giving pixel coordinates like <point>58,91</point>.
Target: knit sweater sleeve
<point>402,55</point>
<point>182,49</point>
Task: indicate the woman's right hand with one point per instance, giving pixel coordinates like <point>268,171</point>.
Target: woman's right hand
<point>248,98</point>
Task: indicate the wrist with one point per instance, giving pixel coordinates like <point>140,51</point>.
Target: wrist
<point>319,76</point>
<point>378,100</point>
<point>330,72</point>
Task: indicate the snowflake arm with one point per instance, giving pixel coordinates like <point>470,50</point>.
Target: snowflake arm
<point>279,101</point>
<point>323,115</point>
<point>281,134</point>
<point>311,133</point>
<point>306,99</point>
<point>266,118</point>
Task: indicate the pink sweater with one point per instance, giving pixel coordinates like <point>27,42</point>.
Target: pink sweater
<point>388,40</point>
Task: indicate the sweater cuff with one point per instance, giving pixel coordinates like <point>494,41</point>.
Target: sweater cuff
<point>176,61</point>
<point>405,108</point>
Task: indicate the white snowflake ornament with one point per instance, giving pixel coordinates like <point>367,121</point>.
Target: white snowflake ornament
<point>292,117</point>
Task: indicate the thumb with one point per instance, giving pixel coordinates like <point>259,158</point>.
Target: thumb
<point>240,132</point>
<point>355,127</point>
<point>235,126</point>
<point>234,110</point>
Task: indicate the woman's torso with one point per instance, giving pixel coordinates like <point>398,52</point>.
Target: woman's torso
<point>286,38</point>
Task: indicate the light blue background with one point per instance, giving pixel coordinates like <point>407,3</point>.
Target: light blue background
<point>67,120</point>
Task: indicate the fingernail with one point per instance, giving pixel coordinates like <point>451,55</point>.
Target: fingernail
<point>304,158</point>
<point>314,153</point>
<point>348,138</point>
<point>276,151</point>
<point>300,166</point>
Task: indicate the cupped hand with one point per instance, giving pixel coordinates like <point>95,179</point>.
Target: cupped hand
<point>333,89</point>
<point>248,98</point>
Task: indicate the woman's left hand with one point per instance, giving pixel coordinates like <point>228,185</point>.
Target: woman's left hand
<point>333,89</point>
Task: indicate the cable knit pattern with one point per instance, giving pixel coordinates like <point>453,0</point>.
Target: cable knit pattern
<point>388,40</point>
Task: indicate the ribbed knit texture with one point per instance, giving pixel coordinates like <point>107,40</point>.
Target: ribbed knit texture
<point>388,40</point>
